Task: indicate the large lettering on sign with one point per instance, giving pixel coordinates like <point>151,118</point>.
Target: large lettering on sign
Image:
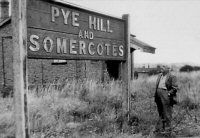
<point>63,31</point>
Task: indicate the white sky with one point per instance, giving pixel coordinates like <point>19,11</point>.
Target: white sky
<point>172,26</point>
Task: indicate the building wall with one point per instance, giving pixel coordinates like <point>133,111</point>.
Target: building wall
<point>42,71</point>
<point>5,58</point>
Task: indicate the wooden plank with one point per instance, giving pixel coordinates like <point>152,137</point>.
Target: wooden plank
<point>126,69</point>
<point>75,7</point>
<point>19,67</point>
<point>42,53</point>
<point>42,20</point>
<point>45,5</point>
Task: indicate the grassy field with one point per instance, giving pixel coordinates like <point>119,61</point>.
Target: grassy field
<point>90,109</point>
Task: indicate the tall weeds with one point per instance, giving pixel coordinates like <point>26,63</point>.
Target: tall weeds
<point>92,109</point>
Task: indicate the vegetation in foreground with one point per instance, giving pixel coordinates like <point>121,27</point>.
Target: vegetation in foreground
<point>91,109</point>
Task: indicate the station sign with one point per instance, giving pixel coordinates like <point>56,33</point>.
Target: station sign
<point>63,31</point>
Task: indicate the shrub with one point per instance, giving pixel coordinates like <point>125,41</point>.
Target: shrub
<point>196,68</point>
<point>186,68</point>
<point>153,72</point>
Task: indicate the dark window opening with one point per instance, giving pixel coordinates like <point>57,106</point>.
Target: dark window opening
<point>113,69</point>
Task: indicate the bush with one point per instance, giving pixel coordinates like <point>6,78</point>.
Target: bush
<point>186,68</point>
<point>196,68</point>
<point>153,72</point>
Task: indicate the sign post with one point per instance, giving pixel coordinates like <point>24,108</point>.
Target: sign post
<point>126,67</point>
<point>19,67</point>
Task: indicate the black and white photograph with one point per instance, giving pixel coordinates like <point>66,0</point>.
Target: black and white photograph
<point>99,68</point>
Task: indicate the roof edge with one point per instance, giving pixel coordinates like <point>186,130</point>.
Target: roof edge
<point>139,45</point>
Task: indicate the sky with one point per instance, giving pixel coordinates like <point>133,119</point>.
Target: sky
<point>171,26</point>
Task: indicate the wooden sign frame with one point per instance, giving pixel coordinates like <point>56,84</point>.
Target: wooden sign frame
<point>59,30</point>
<point>19,26</point>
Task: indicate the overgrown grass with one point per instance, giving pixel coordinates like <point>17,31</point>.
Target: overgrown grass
<point>92,109</point>
<point>6,117</point>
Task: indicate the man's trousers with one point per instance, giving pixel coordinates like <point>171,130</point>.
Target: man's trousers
<point>164,110</point>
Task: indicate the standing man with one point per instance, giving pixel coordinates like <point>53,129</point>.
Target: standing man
<point>165,94</point>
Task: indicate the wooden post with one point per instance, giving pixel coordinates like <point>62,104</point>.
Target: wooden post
<point>19,28</point>
<point>132,63</point>
<point>126,68</point>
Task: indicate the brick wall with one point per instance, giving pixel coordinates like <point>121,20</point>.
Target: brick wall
<point>42,71</point>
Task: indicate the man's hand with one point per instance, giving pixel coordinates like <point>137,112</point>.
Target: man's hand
<point>172,92</point>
